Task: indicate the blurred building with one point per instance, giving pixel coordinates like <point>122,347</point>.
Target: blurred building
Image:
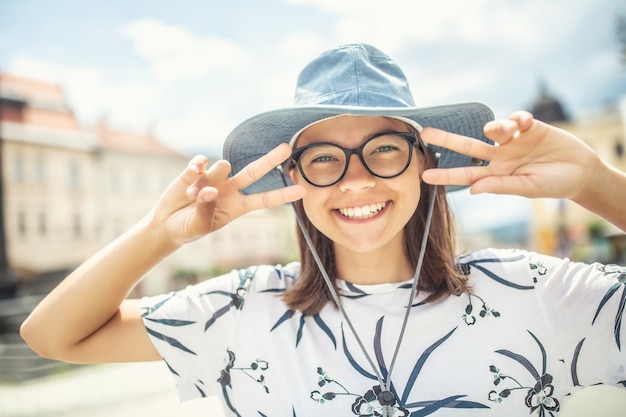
<point>69,190</point>
<point>562,227</point>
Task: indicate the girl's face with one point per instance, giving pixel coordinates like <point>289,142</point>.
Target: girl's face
<point>361,213</point>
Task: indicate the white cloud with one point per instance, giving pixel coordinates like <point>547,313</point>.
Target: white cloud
<point>90,96</point>
<point>297,47</point>
<point>135,106</point>
<point>390,24</point>
<point>277,88</point>
<point>175,54</point>
<point>200,129</point>
<point>132,106</point>
<point>449,88</point>
<point>83,87</point>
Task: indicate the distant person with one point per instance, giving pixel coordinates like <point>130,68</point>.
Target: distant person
<point>381,316</point>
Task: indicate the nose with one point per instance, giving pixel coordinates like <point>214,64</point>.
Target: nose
<point>357,177</point>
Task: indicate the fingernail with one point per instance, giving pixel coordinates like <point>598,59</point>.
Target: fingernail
<point>192,191</point>
<point>509,126</point>
<point>194,166</point>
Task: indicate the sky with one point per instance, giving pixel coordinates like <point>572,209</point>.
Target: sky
<point>189,70</point>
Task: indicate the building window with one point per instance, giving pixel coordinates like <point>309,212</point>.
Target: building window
<point>74,174</point>
<point>18,168</point>
<point>141,183</point>
<point>115,182</point>
<point>40,170</point>
<point>21,224</point>
<point>77,226</point>
<point>42,225</point>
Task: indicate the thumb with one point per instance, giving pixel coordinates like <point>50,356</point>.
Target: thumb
<point>203,220</point>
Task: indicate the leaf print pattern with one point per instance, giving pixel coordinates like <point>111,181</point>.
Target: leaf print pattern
<point>363,405</point>
<point>619,274</point>
<point>317,319</point>
<point>255,367</point>
<point>345,384</point>
<point>539,397</point>
<point>485,310</point>
<point>253,371</point>
<point>237,298</point>
<point>145,314</point>
<point>368,404</point>
<point>169,340</point>
<point>481,265</point>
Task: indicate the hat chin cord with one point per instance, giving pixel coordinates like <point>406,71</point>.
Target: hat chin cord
<point>386,397</point>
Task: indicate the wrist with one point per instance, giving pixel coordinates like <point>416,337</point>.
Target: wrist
<point>156,234</point>
<point>604,193</point>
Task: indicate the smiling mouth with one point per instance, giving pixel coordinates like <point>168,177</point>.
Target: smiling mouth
<point>363,212</point>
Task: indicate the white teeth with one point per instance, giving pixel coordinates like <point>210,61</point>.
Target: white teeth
<point>364,212</point>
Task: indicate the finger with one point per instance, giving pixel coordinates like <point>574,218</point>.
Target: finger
<point>194,169</point>
<point>192,172</point>
<point>501,131</point>
<point>512,185</point>
<point>454,176</point>
<point>458,143</point>
<point>273,198</point>
<point>523,119</point>
<point>203,220</point>
<point>216,173</point>
<point>258,168</point>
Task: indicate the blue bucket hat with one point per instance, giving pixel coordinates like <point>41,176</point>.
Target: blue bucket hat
<point>355,80</point>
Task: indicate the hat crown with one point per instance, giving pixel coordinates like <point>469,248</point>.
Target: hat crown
<point>357,75</point>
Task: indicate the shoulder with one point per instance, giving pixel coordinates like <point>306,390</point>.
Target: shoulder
<point>504,258</point>
<point>257,278</point>
<point>522,268</point>
<point>516,268</point>
<point>510,257</point>
<point>270,276</point>
<point>254,278</point>
<point>233,289</point>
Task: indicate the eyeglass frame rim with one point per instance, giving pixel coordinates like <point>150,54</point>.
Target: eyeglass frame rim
<point>413,138</point>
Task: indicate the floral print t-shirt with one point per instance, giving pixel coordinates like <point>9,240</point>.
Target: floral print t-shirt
<point>533,331</point>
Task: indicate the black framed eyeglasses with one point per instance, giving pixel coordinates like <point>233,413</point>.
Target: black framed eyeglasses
<point>384,155</point>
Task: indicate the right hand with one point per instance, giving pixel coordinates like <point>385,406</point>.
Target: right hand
<point>201,201</point>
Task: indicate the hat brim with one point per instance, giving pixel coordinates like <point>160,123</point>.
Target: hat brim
<point>257,135</point>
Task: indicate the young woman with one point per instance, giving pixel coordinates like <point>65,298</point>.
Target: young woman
<point>380,316</point>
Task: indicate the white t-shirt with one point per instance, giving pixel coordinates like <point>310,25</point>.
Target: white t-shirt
<point>534,330</point>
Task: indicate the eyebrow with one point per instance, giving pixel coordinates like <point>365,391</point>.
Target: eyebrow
<point>366,138</point>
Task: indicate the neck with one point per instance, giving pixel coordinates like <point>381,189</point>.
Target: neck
<point>385,265</point>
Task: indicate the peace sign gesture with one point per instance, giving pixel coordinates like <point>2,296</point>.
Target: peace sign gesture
<point>534,159</point>
<point>203,200</point>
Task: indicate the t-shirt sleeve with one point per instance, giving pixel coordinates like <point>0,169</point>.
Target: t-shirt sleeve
<point>190,329</point>
<point>585,305</point>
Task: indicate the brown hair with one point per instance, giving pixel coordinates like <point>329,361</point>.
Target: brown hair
<point>440,275</point>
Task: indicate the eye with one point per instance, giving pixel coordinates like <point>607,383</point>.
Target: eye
<point>322,158</point>
<point>321,155</point>
<point>386,148</point>
<point>386,145</point>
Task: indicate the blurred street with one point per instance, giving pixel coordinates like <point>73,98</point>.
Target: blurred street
<point>114,390</point>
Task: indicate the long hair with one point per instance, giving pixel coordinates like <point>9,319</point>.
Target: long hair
<point>440,275</point>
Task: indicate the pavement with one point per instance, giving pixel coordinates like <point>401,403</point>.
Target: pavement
<point>111,390</point>
<point>147,389</point>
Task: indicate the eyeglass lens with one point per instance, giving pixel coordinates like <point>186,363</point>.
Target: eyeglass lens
<point>385,156</point>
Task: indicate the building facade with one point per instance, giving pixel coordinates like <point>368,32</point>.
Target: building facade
<point>69,190</point>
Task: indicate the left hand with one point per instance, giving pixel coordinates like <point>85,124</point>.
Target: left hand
<point>530,158</point>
